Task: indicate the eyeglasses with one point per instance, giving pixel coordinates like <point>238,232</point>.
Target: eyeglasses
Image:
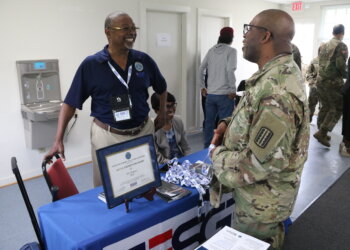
<point>125,29</point>
<point>248,27</point>
<point>172,105</point>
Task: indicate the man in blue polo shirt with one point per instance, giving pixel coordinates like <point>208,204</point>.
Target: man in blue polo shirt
<point>117,79</point>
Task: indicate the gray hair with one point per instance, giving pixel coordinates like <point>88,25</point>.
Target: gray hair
<point>112,16</point>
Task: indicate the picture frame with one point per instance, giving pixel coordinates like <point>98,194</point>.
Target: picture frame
<point>128,169</point>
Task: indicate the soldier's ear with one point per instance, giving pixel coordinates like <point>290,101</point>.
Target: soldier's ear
<point>267,37</point>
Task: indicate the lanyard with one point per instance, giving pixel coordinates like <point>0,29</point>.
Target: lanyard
<point>121,78</point>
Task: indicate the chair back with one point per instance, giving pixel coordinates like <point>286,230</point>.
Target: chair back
<point>58,180</point>
<point>25,196</point>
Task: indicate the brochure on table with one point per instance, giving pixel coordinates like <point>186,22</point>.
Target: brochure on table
<point>231,239</point>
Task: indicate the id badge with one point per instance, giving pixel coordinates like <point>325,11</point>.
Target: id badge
<point>121,115</point>
<point>121,107</point>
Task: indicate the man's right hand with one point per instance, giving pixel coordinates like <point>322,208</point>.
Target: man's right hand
<point>64,117</point>
<point>204,92</point>
<point>57,148</point>
<point>219,134</point>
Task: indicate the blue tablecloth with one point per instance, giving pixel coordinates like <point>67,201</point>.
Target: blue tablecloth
<point>79,220</point>
<point>83,221</point>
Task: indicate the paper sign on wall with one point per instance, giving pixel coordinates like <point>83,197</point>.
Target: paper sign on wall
<point>163,40</point>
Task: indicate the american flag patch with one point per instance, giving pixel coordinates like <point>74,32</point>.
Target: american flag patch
<point>263,137</point>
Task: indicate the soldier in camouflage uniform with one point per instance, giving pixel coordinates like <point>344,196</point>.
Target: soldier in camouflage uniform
<point>332,62</point>
<point>296,55</point>
<point>311,77</point>
<point>264,144</point>
<point>344,147</point>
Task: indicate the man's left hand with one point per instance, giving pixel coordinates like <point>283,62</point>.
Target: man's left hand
<point>232,95</point>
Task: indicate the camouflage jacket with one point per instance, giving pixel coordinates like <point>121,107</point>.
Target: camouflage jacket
<point>332,59</point>
<point>265,144</point>
<point>312,72</point>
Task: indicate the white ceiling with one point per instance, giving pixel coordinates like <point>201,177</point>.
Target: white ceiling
<point>290,1</point>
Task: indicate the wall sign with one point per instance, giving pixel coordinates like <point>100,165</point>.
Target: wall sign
<point>163,40</point>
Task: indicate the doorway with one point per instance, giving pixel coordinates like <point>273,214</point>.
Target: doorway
<point>209,26</point>
<point>164,39</point>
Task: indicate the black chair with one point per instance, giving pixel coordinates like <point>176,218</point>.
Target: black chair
<point>33,245</point>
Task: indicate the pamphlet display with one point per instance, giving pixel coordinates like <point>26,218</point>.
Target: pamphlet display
<point>128,169</point>
<point>231,239</point>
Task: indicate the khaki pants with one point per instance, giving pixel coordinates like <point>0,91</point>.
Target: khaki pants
<point>101,138</point>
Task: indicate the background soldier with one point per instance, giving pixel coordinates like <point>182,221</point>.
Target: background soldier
<point>296,55</point>
<point>311,77</point>
<point>344,147</point>
<point>332,62</point>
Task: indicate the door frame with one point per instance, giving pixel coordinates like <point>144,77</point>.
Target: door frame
<point>201,13</point>
<point>146,6</point>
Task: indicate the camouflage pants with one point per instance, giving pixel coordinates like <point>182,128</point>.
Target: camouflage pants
<point>331,99</point>
<point>272,233</point>
<point>313,99</point>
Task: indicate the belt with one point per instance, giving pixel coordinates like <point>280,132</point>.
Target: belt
<point>132,131</point>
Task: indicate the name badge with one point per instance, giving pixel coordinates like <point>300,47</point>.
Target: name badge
<point>121,107</point>
<point>121,115</point>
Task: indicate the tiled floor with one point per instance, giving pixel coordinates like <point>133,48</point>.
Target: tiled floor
<point>322,168</point>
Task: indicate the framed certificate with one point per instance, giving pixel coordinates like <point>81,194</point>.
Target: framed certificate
<point>128,169</point>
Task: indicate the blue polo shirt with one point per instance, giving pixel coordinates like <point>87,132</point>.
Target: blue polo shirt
<point>95,78</point>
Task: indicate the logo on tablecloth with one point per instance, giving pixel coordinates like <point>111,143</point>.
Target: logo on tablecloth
<point>183,231</point>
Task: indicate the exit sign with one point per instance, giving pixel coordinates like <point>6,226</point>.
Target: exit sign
<point>297,6</point>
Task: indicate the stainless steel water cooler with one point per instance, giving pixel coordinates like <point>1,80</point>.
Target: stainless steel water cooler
<point>40,92</point>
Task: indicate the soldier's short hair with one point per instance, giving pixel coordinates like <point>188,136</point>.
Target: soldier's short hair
<point>338,29</point>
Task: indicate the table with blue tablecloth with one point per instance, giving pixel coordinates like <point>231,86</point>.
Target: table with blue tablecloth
<point>83,221</point>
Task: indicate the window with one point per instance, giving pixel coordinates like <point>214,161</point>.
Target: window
<point>333,15</point>
<point>303,39</point>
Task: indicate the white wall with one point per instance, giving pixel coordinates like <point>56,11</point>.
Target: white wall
<point>312,13</point>
<point>70,30</point>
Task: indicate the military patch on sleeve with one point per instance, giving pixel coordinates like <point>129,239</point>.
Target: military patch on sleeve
<point>263,137</point>
<point>266,135</point>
